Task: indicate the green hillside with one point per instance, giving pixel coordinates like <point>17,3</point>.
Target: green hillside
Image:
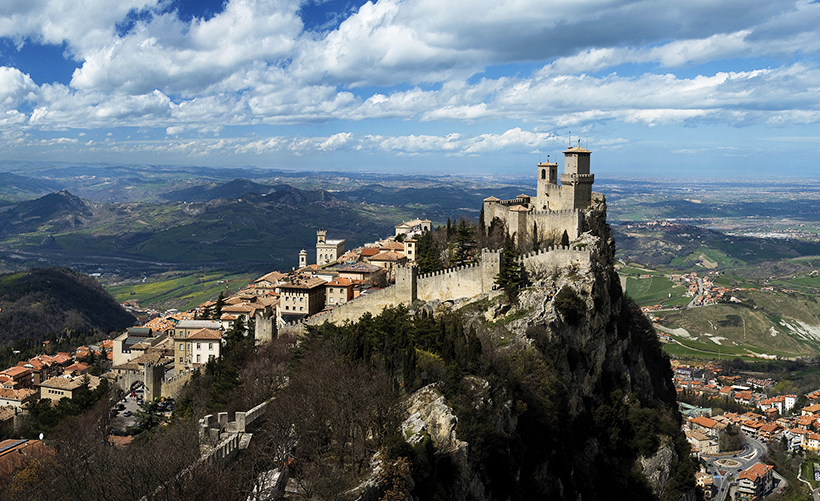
<point>46,302</point>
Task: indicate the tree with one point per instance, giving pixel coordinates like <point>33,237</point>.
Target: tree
<point>428,254</point>
<point>535,240</point>
<point>220,302</point>
<point>463,242</point>
<point>565,239</point>
<point>510,277</point>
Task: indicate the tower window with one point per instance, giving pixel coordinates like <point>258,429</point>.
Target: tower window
<point>543,173</point>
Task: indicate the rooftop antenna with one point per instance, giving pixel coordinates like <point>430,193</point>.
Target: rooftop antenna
<point>569,139</point>
<point>579,142</point>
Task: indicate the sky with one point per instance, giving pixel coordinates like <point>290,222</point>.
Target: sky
<point>703,88</point>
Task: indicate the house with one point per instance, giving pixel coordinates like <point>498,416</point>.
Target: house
<point>704,482</point>
<point>16,454</point>
<point>755,480</point>
<point>268,283</point>
<point>17,377</point>
<point>413,227</point>
<point>186,327</point>
<point>810,410</point>
<point>60,387</point>
<point>362,272</point>
<point>16,397</point>
<point>301,297</point>
<point>194,349</point>
<point>702,443</point>
<point>135,342</point>
<point>389,260</point>
<point>338,291</point>
<point>705,425</point>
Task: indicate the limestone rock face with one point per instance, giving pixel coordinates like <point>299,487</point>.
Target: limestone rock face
<point>658,468</point>
<point>429,413</point>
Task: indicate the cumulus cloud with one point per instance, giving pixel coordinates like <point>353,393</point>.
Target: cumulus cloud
<point>411,61</point>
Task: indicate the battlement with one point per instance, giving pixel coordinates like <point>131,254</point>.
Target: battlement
<point>448,270</point>
<point>556,213</point>
<point>570,248</point>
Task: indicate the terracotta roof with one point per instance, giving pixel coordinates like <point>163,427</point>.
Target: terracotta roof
<point>15,371</point>
<point>21,394</point>
<point>388,256</point>
<point>207,334</point>
<point>70,383</point>
<point>272,277</point>
<point>755,472</point>
<point>369,251</point>
<point>340,282</point>
<point>303,283</point>
<point>392,245</point>
<point>359,268</point>
<point>492,199</point>
<point>577,149</point>
<point>703,421</point>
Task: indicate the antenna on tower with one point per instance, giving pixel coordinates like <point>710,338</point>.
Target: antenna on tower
<point>569,139</point>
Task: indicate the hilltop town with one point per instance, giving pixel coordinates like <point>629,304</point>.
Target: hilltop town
<point>566,246</point>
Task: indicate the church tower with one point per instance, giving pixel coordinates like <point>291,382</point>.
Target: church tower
<point>302,258</point>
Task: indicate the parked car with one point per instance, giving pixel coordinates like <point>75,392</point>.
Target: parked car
<point>126,413</point>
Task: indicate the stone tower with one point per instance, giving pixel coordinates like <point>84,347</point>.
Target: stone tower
<point>547,194</point>
<point>576,179</point>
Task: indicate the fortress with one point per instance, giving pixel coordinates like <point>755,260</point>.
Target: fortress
<point>571,206</point>
<point>554,208</point>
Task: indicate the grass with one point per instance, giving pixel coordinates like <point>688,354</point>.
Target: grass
<point>184,290</point>
<point>655,290</point>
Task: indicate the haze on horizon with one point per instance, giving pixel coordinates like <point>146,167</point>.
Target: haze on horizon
<point>713,89</point>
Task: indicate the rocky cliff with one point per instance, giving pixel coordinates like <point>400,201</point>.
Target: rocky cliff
<point>574,399</point>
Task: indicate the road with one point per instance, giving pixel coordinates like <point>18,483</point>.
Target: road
<point>753,452</point>
<point>700,292</point>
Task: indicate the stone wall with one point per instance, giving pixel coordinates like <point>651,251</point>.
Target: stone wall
<point>555,259</point>
<point>464,281</point>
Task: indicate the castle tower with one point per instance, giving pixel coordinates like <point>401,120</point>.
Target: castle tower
<point>547,186</point>
<point>576,181</point>
<point>321,236</point>
<point>302,258</point>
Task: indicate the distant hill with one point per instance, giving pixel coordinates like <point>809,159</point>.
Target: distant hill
<point>14,188</point>
<point>57,211</point>
<point>49,301</point>
<point>239,188</point>
<point>686,247</point>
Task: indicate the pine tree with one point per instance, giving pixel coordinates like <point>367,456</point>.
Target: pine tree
<point>428,254</point>
<point>510,276</point>
<point>536,242</point>
<point>565,239</point>
<point>220,302</point>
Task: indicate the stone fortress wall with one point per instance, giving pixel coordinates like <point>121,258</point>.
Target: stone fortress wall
<point>449,284</point>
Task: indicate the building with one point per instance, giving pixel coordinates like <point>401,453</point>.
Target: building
<point>555,208</point>
<point>186,327</point>
<point>196,348</point>
<point>414,227</point>
<point>134,343</point>
<point>16,398</point>
<point>301,297</point>
<point>756,480</point>
<point>338,291</point>
<point>327,251</point>
<point>60,387</point>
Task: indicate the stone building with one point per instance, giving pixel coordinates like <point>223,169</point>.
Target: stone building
<point>327,251</point>
<point>555,208</point>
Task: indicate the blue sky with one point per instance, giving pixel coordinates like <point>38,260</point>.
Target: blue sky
<point>702,88</point>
